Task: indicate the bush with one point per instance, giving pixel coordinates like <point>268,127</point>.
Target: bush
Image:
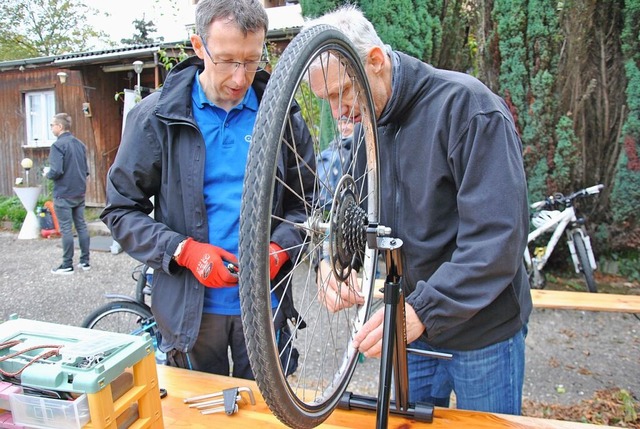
<point>11,210</point>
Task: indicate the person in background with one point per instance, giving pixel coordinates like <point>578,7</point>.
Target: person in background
<point>333,161</point>
<point>453,188</point>
<point>187,147</point>
<point>68,168</point>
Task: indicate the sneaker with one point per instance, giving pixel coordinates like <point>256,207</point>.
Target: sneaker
<point>85,266</point>
<point>62,270</point>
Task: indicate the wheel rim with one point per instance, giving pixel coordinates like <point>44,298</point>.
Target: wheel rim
<point>326,359</point>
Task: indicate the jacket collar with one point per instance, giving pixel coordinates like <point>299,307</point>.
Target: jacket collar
<point>409,77</point>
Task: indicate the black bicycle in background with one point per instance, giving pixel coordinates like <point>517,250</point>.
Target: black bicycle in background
<point>129,315</point>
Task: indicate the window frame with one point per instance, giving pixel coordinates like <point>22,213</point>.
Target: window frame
<point>38,117</point>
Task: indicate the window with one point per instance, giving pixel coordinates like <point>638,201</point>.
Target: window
<point>40,108</point>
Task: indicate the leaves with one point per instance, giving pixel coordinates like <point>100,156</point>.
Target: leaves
<point>614,407</point>
<point>35,28</point>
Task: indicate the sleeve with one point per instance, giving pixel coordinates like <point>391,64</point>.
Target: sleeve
<point>294,209</point>
<point>133,179</point>
<point>487,166</point>
<point>56,162</point>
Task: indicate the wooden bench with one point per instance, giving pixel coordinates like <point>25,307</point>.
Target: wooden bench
<point>566,300</point>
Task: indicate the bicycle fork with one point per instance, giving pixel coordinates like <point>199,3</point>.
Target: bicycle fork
<point>587,244</point>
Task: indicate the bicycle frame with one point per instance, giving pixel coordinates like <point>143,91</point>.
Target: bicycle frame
<point>559,223</point>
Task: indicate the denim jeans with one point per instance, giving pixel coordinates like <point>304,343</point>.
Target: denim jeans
<point>488,379</point>
<point>67,211</point>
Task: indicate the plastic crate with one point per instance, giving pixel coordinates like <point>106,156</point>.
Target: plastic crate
<point>90,379</point>
<point>47,413</point>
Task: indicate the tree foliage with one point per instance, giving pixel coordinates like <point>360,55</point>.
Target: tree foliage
<point>34,28</point>
<point>626,189</point>
<point>142,36</point>
<point>569,71</point>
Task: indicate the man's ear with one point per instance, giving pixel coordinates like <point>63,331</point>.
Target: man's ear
<point>376,58</point>
<point>196,43</point>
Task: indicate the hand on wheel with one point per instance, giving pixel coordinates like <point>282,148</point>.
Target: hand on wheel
<point>334,294</point>
<point>207,263</point>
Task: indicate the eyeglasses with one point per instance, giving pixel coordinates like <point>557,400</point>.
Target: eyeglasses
<point>232,66</point>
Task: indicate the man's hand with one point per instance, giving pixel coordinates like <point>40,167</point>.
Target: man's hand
<point>46,171</point>
<point>337,295</point>
<point>207,263</point>
<point>277,258</point>
<point>368,340</point>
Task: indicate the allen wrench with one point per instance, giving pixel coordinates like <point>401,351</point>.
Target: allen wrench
<point>229,401</point>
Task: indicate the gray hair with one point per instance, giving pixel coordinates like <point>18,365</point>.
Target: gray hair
<point>249,15</point>
<point>63,119</point>
<point>351,21</point>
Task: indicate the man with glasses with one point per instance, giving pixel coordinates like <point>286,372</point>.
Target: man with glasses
<point>187,146</point>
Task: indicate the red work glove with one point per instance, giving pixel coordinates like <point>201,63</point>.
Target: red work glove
<point>207,263</point>
<point>277,258</point>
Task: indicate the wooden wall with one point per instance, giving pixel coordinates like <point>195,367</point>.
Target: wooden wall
<point>100,132</point>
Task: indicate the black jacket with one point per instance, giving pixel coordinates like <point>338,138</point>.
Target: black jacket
<point>453,188</point>
<point>162,155</point>
<point>68,167</point>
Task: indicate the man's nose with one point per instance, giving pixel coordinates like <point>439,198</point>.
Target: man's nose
<point>240,75</point>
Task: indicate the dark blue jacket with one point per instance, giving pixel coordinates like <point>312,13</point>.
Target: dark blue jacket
<point>68,167</point>
<point>453,188</point>
<point>162,155</point>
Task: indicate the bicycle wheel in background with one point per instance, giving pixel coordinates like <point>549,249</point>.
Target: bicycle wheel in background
<point>585,264</point>
<point>318,342</point>
<point>125,317</point>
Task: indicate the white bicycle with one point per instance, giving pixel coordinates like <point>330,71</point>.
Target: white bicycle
<point>558,213</point>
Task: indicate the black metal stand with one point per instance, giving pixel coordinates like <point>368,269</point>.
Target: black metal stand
<point>394,345</point>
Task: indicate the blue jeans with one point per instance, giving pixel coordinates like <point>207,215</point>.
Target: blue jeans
<point>488,379</point>
<point>67,211</point>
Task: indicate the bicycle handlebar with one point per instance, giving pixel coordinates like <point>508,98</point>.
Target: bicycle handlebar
<point>559,199</point>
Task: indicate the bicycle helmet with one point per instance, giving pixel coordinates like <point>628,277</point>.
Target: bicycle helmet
<point>543,216</point>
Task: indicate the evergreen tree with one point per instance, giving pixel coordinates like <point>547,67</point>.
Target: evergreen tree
<point>315,8</point>
<point>625,196</point>
<point>144,29</point>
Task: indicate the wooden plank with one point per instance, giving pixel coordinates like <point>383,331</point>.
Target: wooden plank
<point>181,384</point>
<point>566,300</point>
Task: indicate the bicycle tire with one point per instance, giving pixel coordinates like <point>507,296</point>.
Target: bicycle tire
<point>307,397</point>
<point>585,264</point>
<point>125,317</point>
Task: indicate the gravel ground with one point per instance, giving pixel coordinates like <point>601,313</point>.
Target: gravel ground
<point>570,354</point>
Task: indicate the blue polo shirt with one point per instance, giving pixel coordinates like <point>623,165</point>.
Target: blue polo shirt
<point>227,136</point>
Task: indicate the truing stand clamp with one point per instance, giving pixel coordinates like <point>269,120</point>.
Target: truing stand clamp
<point>229,401</point>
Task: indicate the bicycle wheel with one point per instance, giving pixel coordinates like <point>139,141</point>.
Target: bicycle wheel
<point>125,317</point>
<point>319,340</point>
<point>585,264</point>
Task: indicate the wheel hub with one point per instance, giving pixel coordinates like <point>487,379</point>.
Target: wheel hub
<point>348,228</point>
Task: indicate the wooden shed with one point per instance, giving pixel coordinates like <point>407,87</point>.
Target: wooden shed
<point>85,86</point>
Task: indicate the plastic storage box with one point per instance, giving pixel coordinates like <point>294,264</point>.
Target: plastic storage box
<point>47,413</point>
<point>88,362</point>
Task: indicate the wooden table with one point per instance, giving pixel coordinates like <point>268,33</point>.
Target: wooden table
<point>181,384</point>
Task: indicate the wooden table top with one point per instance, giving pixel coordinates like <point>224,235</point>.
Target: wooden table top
<point>181,384</point>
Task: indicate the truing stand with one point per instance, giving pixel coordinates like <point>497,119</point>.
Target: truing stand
<point>394,344</point>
